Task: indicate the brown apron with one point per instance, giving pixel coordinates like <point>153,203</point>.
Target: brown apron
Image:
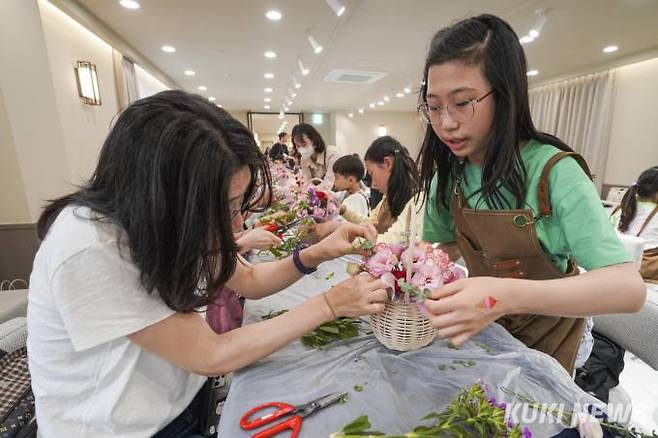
<point>503,243</point>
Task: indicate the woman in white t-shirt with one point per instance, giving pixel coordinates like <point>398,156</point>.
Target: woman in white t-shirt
<point>115,346</point>
<point>317,158</point>
<point>637,216</point>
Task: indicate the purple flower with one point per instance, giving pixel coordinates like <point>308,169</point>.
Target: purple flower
<point>526,433</point>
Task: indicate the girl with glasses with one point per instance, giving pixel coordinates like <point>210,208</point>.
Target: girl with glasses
<point>517,204</point>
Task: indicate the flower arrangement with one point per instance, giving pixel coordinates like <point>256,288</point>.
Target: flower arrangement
<point>317,204</point>
<point>410,273</point>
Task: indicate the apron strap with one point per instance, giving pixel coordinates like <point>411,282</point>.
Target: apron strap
<point>646,222</point>
<point>544,198</point>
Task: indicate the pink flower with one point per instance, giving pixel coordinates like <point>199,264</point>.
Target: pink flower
<point>381,261</point>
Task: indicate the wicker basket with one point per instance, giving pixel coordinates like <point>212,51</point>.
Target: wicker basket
<point>402,327</point>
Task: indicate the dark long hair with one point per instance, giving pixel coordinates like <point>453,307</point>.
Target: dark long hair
<point>163,176</point>
<point>490,43</point>
<point>645,187</point>
<point>404,180</point>
<point>304,128</point>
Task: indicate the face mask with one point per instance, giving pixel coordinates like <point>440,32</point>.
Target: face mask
<point>306,152</point>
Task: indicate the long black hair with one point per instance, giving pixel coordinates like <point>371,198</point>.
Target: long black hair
<point>163,176</point>
<point>645,187</point>
<point>490,43</point>
<point>304,128</point>
<point>403,184</point>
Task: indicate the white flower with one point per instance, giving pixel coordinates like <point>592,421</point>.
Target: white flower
<point>587,425</point>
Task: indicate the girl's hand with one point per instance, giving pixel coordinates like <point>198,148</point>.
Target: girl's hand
<point>358,295</point>
<point>258,238</point>
<point>339,243</point>
<point>459,310</point>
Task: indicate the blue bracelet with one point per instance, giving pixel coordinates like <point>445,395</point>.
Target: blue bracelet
<point>299,265</point>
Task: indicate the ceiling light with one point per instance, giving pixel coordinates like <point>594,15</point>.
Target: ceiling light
<point>336,6</point>
<point>296,84</point>
<point>407,90</point>
<point>202,88</point>
<point>610,49</point>
<point>380,103</point>
<point>266,107</point>
<point>539,24</point>
<point>273,15</point>
<point>129,4</point>
<point>293,94</point>
<point>285,108</point>
<point>526,39</point>
<point>317,48</point>
<point>269,76</point>
<point>532,72</point>
<point>360,110</point>
<point>280,115</point>
<point>168,49</point>
<point>382,130</point>
<point>212,98</point>
<point>387,99</point>
<point>220,105</point>
<point>268,90</point>
<point>303,69</point>
<point>267,99</point>
<point>189,72</point>
<point>270,54</point>
<point>399,94</point>
<point>350,115</point>
<point>372,105</point>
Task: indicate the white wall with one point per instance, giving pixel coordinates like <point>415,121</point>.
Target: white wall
<point>85,127</point>
<point>634,128</point>
<point>354,135</point>
<point>147,84</point>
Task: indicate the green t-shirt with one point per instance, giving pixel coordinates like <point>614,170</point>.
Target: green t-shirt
<point>577,226</point>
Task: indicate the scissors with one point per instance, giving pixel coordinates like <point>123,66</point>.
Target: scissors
<point>297,413</point>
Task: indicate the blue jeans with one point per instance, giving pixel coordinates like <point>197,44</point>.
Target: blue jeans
<point>187,423</point>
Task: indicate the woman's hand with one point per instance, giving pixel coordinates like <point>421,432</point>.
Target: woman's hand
<point>461,309</point>
<point>339,243</point>
<point>358,295</point>
<point>258,238</point>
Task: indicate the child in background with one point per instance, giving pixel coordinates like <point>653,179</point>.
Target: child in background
<point>349,171</point>
<point>636,216</point>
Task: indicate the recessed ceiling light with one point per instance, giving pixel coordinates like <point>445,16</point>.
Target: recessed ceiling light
<point>129,4</point>
<point>202,88</point>
<point>610,49</point>
<point>336,6</point>
<point>399,94</point>
<point>220,105</point>
<point>526,39</point>
<point>189,72</point>
<point>360,110</point>
<point>266,107</point>
<point>269,76</point>
<point>303,69</point>
<point>168,49</point>
<point>350,115</point>
<point>293,94</point>
<point>372,105</point>
<point>268,90</point>
<point>380,103</point>
<point>298,85</point>
<point>317,48</point>
<point>212,98</point>
<point>280,115</point>
<point>267,99</point>
<point>532,72</point>
<point>407,90</point>
<point>387,99</point>
<point>273,15</point>
<point>270,54</point>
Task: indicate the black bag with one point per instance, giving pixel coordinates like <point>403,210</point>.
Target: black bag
<point>601,371</point>
<point>17,415</point>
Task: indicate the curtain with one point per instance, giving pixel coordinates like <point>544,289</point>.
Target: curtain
<point>579,112</point>
<point>125,80</point>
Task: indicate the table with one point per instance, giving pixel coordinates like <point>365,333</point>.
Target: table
<point>399,388</point>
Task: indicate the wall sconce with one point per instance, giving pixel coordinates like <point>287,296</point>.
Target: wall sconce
<point>87,79</point>
<point>382,131</point>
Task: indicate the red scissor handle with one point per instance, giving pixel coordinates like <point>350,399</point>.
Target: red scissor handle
<point>294,423</point>
<point>282,410</point>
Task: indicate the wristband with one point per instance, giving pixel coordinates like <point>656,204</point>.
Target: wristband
<point>299,265</point>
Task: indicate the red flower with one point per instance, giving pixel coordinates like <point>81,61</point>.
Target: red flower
<point>399,274</point>
<point>271,227</point>
<point>321,195</point>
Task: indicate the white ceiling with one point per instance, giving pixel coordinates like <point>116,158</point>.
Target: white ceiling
<point>224,41</point>
<point>267,124</point>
